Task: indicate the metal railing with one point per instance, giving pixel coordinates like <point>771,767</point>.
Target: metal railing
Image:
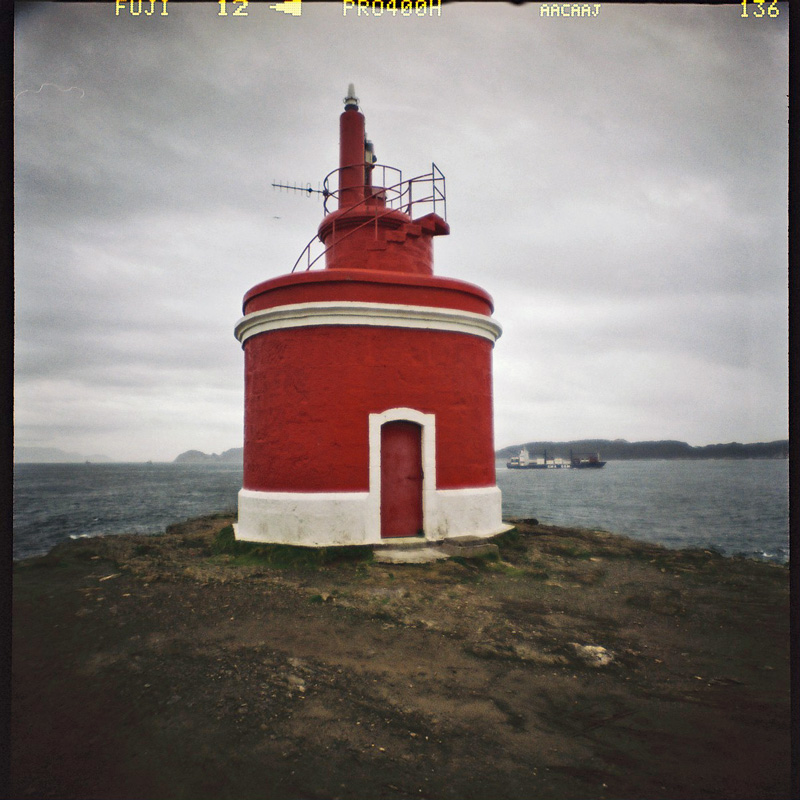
<point>391,191</point>
<point>397,197</point>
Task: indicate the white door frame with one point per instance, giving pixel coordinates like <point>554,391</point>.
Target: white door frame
<point>428,424</point>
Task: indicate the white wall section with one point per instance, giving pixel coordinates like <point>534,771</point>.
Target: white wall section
<point>348,518</point>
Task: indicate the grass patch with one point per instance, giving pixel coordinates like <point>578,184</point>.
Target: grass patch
<point>478,563</point>
<point>195,542</point>
<point>570,551</point>
<point>283,555</point>
<point>509,569</point>
<point>537,574</point>
<point>511,543</point>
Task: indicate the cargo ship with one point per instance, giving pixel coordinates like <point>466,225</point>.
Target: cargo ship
<point>524,461</point>
<point>585,460</point>
<point>576,461</point>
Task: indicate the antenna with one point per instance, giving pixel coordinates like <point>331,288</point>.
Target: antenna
<point>306,188</point>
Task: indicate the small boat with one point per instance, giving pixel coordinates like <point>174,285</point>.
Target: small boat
<point>585,460</point>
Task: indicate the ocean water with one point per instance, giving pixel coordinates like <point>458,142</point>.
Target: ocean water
<point>736,507</point>
<point>732,506</point>
<point>55,502</point>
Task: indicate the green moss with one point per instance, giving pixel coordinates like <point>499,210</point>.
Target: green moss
<point>537,574</point>
<point>512,538</point>
<point>570,551</point>
<point>511,543</point>
<point>479,563</point>
<point>283,555</point>
<point>508,569</point>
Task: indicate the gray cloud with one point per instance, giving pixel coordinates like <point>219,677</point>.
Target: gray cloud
<point>617,183</point>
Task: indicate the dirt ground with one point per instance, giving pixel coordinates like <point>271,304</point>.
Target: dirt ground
<point>579,665</point>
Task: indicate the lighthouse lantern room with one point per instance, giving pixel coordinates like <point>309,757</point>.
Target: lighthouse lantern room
<point>368,384</point>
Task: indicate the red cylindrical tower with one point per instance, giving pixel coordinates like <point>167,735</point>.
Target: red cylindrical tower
<point>368,385</point>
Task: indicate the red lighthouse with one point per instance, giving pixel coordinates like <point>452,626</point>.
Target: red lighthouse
<point>368,384</point>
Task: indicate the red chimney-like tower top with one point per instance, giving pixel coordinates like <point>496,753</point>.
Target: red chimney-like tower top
<point>372,227</point>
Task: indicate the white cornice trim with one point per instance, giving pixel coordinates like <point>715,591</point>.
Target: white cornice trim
<point>301,315</point>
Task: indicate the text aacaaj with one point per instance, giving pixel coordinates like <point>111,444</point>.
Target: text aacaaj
<point>569,10</point>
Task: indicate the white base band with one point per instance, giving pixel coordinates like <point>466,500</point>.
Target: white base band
<point>348,518</point>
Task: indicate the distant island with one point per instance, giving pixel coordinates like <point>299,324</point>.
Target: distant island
<point>622,450</point>
<point>52,455</point>
<point>233,456</point>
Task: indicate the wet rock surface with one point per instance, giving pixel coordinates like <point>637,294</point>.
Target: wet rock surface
<point>578,665</point>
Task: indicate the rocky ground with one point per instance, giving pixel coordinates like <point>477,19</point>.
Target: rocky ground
<point>579,665</point>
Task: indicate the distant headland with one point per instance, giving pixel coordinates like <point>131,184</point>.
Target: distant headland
<point>53,455</point>
<point>610,449</point>
<point>623,450</point>
<point>233,456</point>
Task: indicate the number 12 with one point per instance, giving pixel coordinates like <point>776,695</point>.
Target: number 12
<point>241,11</point>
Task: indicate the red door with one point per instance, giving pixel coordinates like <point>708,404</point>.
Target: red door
<point>401,479</point>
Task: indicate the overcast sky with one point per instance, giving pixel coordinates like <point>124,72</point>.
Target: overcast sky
<point>617,183</point>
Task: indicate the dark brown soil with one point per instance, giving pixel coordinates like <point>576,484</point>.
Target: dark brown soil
<point>580,665</point>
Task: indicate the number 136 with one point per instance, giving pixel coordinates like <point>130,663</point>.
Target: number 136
<point>772,10</point>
